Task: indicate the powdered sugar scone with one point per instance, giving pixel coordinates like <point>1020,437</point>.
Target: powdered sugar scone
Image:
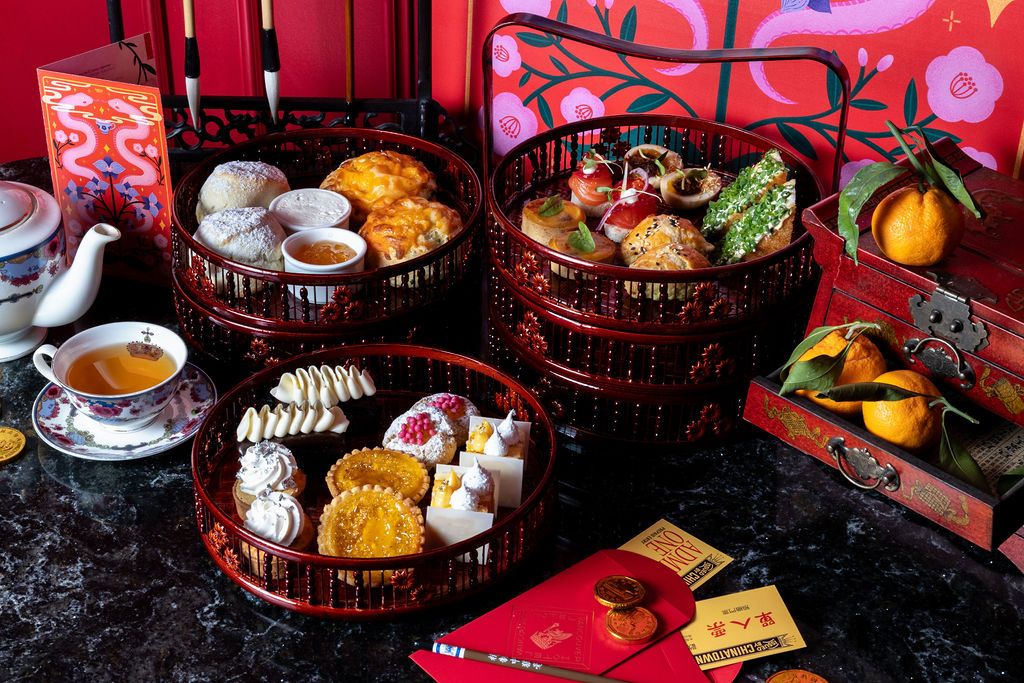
<point>266,465</point>
<point>278,518</point>
<point>458,409</point>
<point>426,433</point>
<point>237,184</point>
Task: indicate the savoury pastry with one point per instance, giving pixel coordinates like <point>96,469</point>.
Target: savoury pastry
<point>407,228</point>
<point>370,521</point>
<point>750,185</point>
<point>655,232</point>
<point>238,184</point>
<point>765,227</point>
<point>668,257</point>
<point>548,217</point>
<point>376,179</point>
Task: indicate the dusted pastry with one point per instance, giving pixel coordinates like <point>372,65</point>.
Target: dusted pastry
<point>655,232</point>
<point>279,518</point>
<point>398,471</point>
<point>426,433</point>
<point>376,179</point>
<point>251,236</point>
<point>407,228</point>
<point>370,521</point>
<point>458,409</point>
<point>547,217</point>
<point>325,385</point>
<point>239,184</point>
<point>266,466</point>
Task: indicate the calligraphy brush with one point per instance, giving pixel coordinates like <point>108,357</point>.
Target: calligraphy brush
<point>191,63</point>
<point>271,60</point>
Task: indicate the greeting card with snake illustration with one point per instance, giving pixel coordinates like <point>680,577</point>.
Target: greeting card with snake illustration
<point>108,153</point>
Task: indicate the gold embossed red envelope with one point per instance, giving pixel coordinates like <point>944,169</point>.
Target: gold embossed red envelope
<point>559,623</point>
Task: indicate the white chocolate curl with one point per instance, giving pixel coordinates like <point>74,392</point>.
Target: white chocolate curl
<point>326,385</point>
<point>289,420</point>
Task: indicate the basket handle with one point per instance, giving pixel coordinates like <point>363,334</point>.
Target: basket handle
<point>630,49</point>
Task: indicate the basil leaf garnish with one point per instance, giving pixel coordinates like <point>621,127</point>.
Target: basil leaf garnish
<point>552,206</point>
<point>581,240</point>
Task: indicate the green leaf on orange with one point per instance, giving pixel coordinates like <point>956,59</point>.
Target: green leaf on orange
<point>855,195</point>
<point>956,460</point>
<point>870,391</point>
<point>819,333</point>
<point>951,180</point>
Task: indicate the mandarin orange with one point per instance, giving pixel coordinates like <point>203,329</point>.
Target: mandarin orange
<point>909,423</point>
<point>917,229</point>
<point>863,363</point>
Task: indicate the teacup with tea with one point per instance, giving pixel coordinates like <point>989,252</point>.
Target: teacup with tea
<point>119,374</point>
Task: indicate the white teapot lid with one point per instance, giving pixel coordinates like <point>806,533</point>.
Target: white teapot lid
<point>28,216</point>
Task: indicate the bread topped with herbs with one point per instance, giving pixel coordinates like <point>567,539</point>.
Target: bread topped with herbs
<point>749,187</point>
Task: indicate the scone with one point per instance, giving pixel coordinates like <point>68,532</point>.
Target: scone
<point>279,518</point>
<point>383,467</point>
<point>376,179</point>
<point>655,232</point>
<point>426,433</point>
<point>407,228</point>
<point>370,521</point>
<point>266,465</point>
<point>458,409</point>
<point>669,257</point>
<point>238,184</point>
<point>249,235</point>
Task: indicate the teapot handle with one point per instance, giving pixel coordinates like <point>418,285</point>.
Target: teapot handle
<point>38,359</point>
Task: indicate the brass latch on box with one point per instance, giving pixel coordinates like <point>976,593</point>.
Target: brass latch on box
<point>946,318</point>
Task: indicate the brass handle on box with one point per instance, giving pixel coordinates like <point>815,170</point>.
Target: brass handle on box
<point>864,466</point>
<point>939,362</point>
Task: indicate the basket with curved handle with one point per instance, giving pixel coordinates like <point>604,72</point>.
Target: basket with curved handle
<point>630,49</point>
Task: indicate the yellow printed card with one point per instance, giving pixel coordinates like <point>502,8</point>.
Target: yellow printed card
<point>689,557</point>
<point>741,626</point>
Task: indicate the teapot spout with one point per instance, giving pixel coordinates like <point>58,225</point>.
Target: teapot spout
<point>71,294</point>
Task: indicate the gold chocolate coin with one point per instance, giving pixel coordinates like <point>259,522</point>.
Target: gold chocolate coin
<point>619,592</point>
<point>795,676</point>
<point>634,625</point>
<point>11,443</point>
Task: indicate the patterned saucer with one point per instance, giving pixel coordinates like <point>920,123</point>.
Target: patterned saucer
<point>61,426</point>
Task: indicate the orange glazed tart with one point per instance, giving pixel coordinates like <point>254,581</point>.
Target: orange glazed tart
<point>383,467</point>
<point>370,521</point>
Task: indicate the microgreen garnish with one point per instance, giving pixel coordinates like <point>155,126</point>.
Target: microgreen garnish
<point>581,240</point>
<point>872,177</point>
<point>552,206</point>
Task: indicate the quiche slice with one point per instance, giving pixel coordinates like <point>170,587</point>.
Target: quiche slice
<point>382,467</point>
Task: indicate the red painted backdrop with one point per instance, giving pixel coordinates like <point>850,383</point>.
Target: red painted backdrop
<point>947,65</point>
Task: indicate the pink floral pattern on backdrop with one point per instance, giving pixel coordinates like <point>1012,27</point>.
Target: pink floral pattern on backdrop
<point>962,86</point>
<point>505,56</point>
<point>513,122</point>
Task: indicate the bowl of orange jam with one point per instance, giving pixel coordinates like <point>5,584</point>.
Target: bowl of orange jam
<point>323,251</point>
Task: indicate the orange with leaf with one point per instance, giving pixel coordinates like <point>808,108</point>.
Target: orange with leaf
<point>902,407</point>
<point>918,225</point>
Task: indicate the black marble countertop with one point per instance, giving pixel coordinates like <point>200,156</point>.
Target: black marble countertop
<point>103,575</point>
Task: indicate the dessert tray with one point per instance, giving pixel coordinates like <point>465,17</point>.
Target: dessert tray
<point>624,352</point>
<point>62,427</point>
<point>356,588</point>
<point>234,311</point>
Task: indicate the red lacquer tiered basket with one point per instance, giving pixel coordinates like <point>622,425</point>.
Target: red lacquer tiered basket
<point>240,313</point>
<point>314,584</point>
<point>658,357</point>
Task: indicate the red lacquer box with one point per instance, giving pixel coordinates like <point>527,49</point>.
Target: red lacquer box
<point>960,321</point>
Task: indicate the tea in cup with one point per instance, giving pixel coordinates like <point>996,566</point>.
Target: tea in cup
<point>119,374</point>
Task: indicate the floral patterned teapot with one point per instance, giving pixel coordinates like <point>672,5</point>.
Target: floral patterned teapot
<point>37,288</point>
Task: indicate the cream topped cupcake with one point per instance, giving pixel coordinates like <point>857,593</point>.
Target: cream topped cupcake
<point>266,466</point>
<point>279,518</point>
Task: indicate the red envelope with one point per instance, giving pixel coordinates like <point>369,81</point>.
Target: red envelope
<point>559,623</point>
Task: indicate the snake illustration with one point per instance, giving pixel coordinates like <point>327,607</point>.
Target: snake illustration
<point>693,12</point>
<point>851,18</point>
<point>141,130</point>
<point>69,158</point>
